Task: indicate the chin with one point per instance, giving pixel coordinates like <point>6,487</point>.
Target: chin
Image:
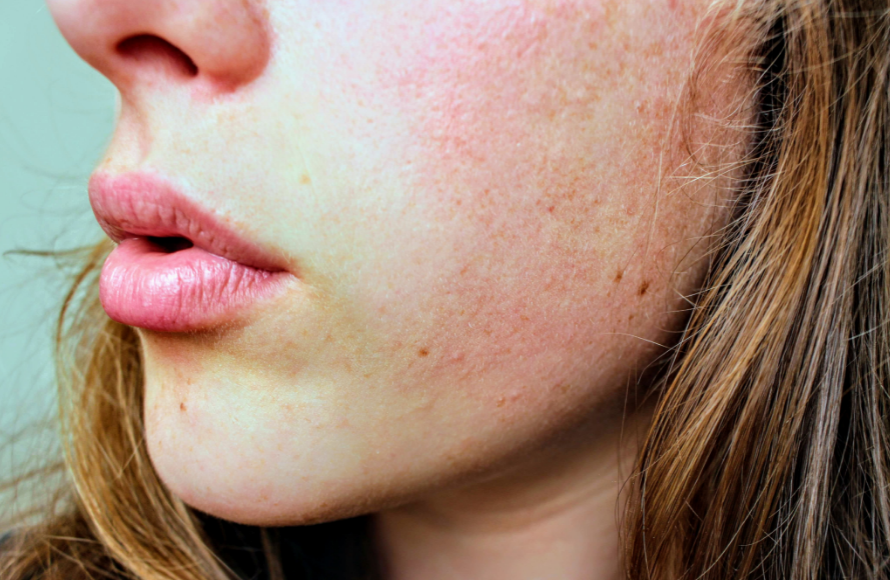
<point>244,495</point>
<point>238,474</point>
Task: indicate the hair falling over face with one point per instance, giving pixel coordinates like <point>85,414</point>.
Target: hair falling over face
<point>767,456</point>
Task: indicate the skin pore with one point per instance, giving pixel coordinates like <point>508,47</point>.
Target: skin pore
<point>491,237</point>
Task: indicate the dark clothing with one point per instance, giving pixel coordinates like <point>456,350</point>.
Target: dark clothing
<point>332,551</point>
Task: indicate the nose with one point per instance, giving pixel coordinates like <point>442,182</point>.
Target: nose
<point>133,42</point>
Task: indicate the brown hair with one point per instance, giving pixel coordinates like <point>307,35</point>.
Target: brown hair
<point>767,457</point>
<point>767,454</point>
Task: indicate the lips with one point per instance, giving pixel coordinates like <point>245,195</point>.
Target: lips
<point>177,267</point>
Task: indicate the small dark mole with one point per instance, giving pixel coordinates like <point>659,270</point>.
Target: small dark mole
<point>619,276</point>
<point>182,407</point>
<point>423,352</point>
<point>643,288</point>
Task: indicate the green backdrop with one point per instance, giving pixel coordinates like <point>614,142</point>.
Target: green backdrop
<point>56,115</point>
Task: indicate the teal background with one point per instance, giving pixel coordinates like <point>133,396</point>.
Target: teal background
<point>56,115</point>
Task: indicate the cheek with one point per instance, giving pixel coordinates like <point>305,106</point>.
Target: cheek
<point>537,129</point>
<point>537,89</point>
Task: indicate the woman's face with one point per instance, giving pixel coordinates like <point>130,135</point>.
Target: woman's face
<point>479,253</point>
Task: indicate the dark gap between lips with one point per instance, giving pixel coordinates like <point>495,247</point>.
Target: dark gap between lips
<point>171,245</point>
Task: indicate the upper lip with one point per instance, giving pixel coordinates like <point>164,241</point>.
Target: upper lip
<point>146,205</point>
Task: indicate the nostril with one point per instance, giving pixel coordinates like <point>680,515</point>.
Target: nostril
<point>171,244</point>
<point>150,49</point>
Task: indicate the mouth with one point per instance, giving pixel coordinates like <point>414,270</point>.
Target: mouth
<point>177,267</point>
<point>171,244</point>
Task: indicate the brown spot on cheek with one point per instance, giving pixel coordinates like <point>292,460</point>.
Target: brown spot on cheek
<point>182,407</point>
<point>644,287</point>
<point>619,276</point>
<point>304,179</point>
<point>423,352</point>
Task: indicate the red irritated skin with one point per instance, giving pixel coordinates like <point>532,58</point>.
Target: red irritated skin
<point>446,236</point>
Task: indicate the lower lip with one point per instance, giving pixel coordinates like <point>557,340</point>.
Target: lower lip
<point>188,290</point>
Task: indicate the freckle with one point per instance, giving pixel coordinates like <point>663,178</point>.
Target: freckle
<point>423,352</point>
<point>182,407</point>
<point>643,288</point>
<point>551,208</point>
<point>619,276</point>
<point>304,179</point>
<point>523,318</point>
<point>631,317</point>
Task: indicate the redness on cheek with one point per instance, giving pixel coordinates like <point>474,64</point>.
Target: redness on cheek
<point>536,128</point>
<point>517,98</point>
<point>479,74</point>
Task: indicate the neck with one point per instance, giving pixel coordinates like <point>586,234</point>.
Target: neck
<point>556,516</point>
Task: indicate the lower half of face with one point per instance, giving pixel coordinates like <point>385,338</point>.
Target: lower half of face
<point>491,228</point>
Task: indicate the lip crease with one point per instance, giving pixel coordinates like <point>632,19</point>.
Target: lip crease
<point>177,266</point>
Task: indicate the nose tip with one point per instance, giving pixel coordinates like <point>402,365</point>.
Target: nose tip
<point>226,42</point>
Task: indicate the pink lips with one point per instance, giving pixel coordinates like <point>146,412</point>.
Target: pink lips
<point>177,268</point>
